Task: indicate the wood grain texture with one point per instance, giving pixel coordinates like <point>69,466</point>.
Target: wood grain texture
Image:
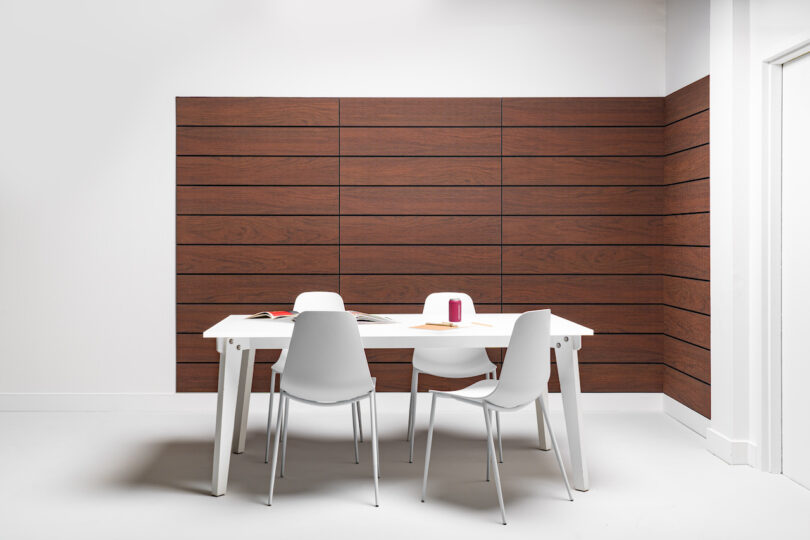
<point>459,230</point>
<point>581,260</point>
<point>604,318</point>
<point>587,201</point>
<point>691,392</point>
<point>197,318</point>
<point>583,111</point>
<point>193,348</point>
<point>691,262</point>
<point>420,112</point>
<point>420,200</point>
<point>420,259</point>
<point>256,200</point>
<point>420,141</point>
<point>415,288</point>
<point>582,230</point>
<point>419,171</point>
<point>257,259</point>
<point>257,141</point>
<point>688,294</point>
<point>688,197</point>
<point>582,289</point>
<point>229,289</point>
<point>687,326</point>
<point>414,307</point>
<point>688,358</point>
<point>691,164</point>
<point>686,229</point>
<point>378,356</point>
<point>687,101</point>
<point>256,111</point>
<point>588,171</point>
<point>687,133</point>
<point>621,349</point>
<point>257,230</point>
<point>615,378</point>
<point>257,171</point>
<point>641,141</point>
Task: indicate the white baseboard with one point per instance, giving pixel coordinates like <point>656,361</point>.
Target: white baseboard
<point>732,451</point>
<point>686,416</point>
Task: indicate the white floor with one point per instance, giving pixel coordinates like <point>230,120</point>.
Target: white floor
<point>147,474</point>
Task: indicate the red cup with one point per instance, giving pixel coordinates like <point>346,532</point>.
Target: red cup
<point>455,310</point>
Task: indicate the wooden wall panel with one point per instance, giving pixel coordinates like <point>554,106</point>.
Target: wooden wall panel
<point>687,197</point>
<point>420,112</point>
<point>688,358</point>
<point>691,392</point>
<point>197,318</point>
<point>604,318</point>
<point>256,111</point>
<point>257,230</point>
<point>686,230</point>
<point>257,171</point>
<point>690,262</point>
<point>230,289</point>
<point>420,259</point>
<point>689,294</point>
<point>581,260</point>
<point>582,289</point>
<point>464,201</point>
<point>687,326</point>
<point>692,164</point>
<point>583,112</point>
<point>415,288</point>
<point>257,141</point>
<point>687,133</point>
<point>586,201</point>
<point>420,142</point>
<point>583,141</point>
<point>582,171</point>
<point>257,259</point>
<point>613,230</point>
<point>394,171</point>
<point>451,230</point>
<point>254,200</point>
<point>687,101</point>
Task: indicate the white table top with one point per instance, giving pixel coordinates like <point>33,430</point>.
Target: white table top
<point>269,334</point>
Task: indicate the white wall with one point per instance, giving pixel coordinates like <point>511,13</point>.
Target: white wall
<point>87,136</point>
<point>687,52</point>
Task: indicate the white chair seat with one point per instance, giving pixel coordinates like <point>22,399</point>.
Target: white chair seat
<point>475,392</point>
<point>452,363</point>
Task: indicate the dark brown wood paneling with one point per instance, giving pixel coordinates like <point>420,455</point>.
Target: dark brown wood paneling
<point>687,326</point>
<point>687,133</point>
<point>257,259</point>
<point>582,141</point>
<point>615,378</point>
<point>420,230</point>
<point>688,197</point>
<point>420,259</point>
<point>256,200</point>
<point>686,230</point>
<point>257,141</point>
<point>583,111</point>
<point>415,308</point>
<point>581,260</point>
<point>420,141</point>
<point>256,111</point>
<point>587,171</point>
<point>204,377</point>
<point>691,262</point>
<point>415,288</point>
<point>604,318</point>
<point>691,164</point>
<point>582,230</point>
<point>582,289</point>
<point>420,200</point>
<point>418,171</point>
<point>691,392</point>
<point>587,201</point>
<point>687,101</point>
<point>213,289</point>
<point>688,294</point>
<point>197,318</point>
<point>257,230</point>
<point>420,112</point>
<point>690,359</point>
<point>193,348</point>
<point>257,171</point>
<point>621,349</point>
<point>379,356</point>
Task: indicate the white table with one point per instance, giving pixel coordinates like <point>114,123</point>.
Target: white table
<point>239,338</point>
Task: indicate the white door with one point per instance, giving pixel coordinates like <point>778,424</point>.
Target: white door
<point>796,270</point>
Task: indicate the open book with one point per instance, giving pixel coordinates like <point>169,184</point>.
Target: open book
<point>274,315</point>
<point>368,318</point>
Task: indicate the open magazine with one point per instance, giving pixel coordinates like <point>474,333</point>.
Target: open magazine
<point>291,315</point>
<point>368,318</point>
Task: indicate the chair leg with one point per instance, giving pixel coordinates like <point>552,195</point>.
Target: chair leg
<point>491,446</point>
<point>275,449</point>
<point>500,442</point>
<point>270,415</point>
<point>377,427</point>
<point>429,444</point>
<point>375,446</point>
<point>284,437</point>
<point>354,430</point>
<point>556,451</point>
<point>359,420</point>
<point>412,406</point>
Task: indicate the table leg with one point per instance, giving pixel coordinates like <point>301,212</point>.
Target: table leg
<point>229,368</point>
<point>541,425</point>
<point>243,401</point>
<point>565,351</point>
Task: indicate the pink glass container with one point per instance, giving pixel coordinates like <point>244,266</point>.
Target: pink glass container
<point>455,310</point>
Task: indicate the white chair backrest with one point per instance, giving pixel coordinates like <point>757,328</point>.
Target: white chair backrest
<point>318,301</point>
<point>437,306</point>
<point>527,365</point>
<point>326,361</point>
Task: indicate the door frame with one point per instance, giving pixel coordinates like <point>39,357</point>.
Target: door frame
<point>771,449</point>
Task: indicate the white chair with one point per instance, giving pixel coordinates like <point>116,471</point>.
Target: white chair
<point>447,362</point>
<point>309,301</point>
<point>326,365</point>
<point>524,378</point>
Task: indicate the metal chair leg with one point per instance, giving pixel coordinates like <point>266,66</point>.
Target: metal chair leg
<point>500,442</point>
<point>429,444</point>
<point>412,406</point>
<point>491,446</point>
<point>270,415</point>
<point>375,447</point>
<point>556,451</point>
<point>284,437</point>
<point>275,449</point>
<point>354,431</point>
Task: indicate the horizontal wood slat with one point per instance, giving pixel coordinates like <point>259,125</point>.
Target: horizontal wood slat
<point>257,260</point>
<point>257,230</point>
<point>420,112</point>
<point>691,262</point>
<point>582,289</point>
<point>686,198</point>
<point>582,229</point>
<point>193,348</point>
<point>549,171</point>
<point>688,294</point>
<point>603,318</point>
<point>256,111</point>
<point>420,200</point>
<point>415,288</point>
<point>687,326</point>
<point>688,100</point>
<point>415,308</point>
<point>417,171</point>
<point>582,200</point>
<point>257,171</point>
<point>227,289</point>
<point>420,141</point>
<point>688,358</point>
<point>691,392</point>
<point>606,141</point>
<point>197,318</point>
<point>420,230</point>
<point>420,259</point>
<point>256,200</point>
<point>687,133</point>
<point>581,260</point>
<point>686,229</point>
<point>257,141</point>
<point>690,164</point>
<point>621,349</point>
<point>582,111</point>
